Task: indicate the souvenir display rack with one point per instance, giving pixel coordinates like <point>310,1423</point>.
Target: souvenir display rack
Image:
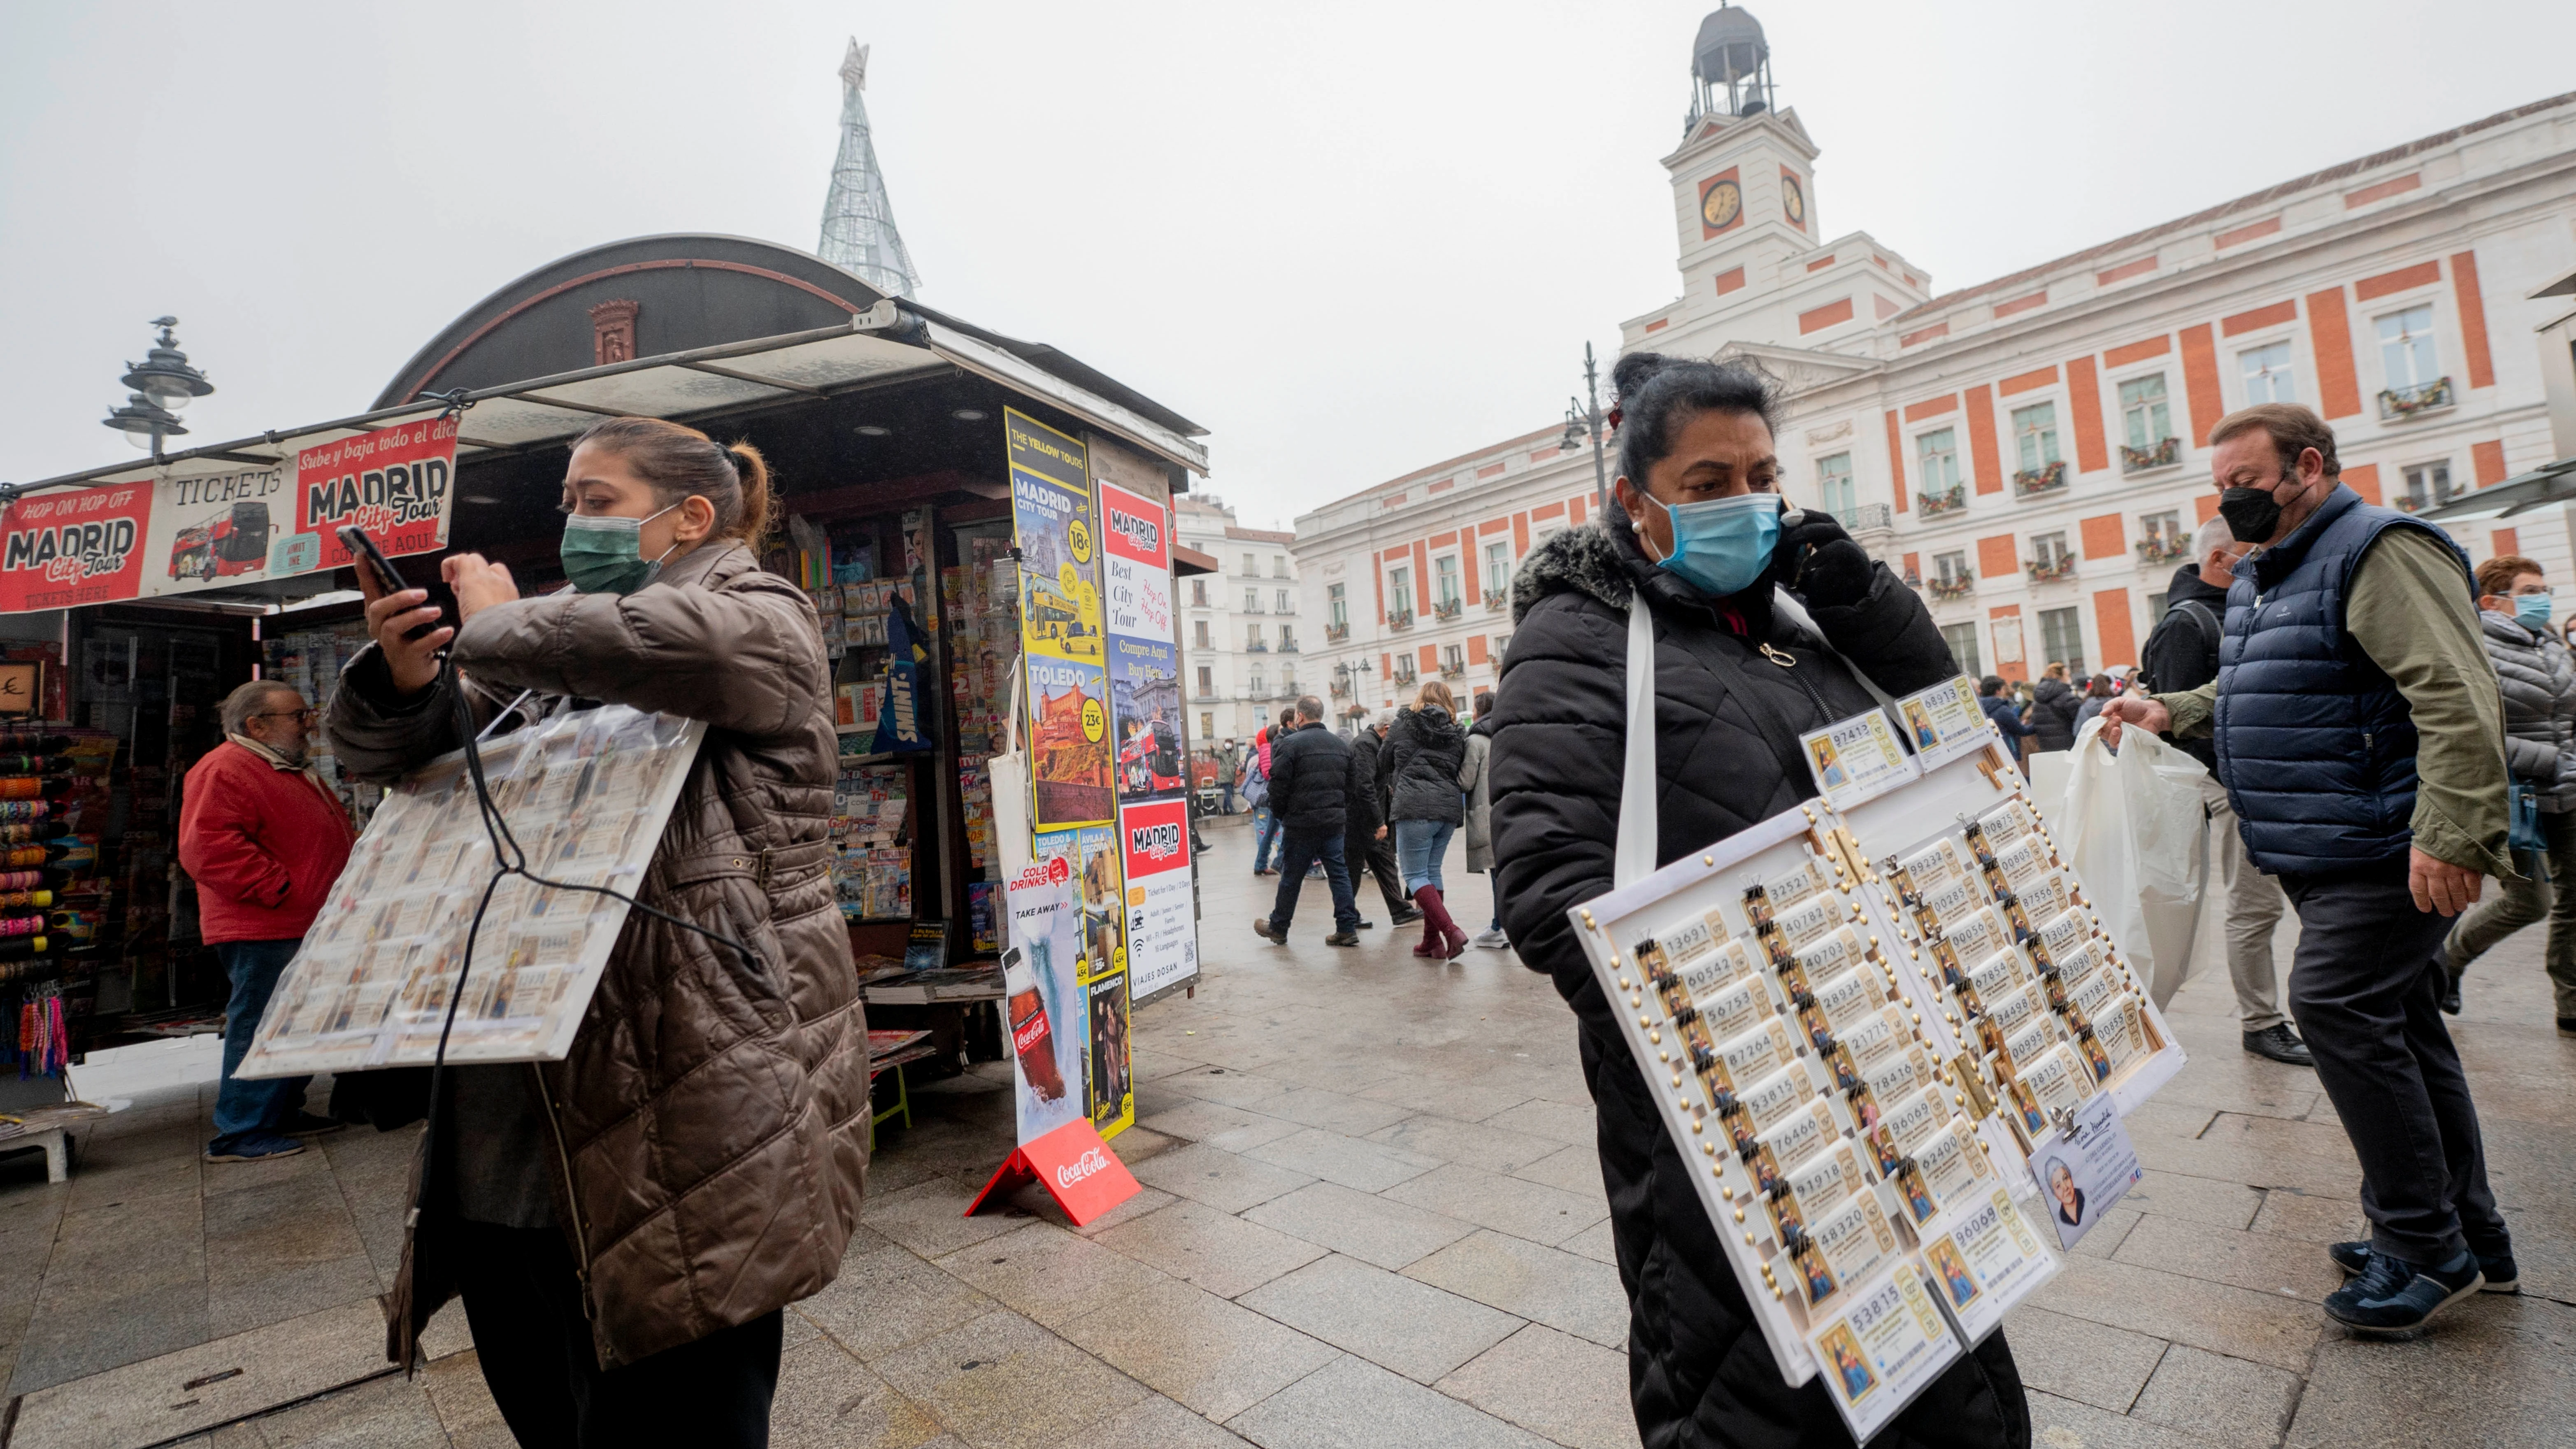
<point>1863,1017</point>
<point>57,905</point>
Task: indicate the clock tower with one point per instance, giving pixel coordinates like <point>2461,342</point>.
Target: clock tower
<point>1749,245</point>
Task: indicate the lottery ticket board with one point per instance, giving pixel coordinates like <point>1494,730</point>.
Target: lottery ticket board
<point>586,794</point>
<point>1865,1019</point>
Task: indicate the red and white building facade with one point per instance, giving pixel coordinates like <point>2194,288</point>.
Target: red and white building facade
<point>2032,452</point>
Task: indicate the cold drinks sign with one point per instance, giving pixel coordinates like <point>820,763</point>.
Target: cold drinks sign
<point>204,524</point>
<point>1041,981</point>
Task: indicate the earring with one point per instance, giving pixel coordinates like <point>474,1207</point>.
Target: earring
<point>1637,528</point>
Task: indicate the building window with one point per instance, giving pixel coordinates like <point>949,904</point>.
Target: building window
<point>2428,485</point>
<point>1399,595</point>
<point>1962,639</point>
<point>2050,559</point>
<point>1835,488</point>
<point>2406,348</point>
<point>1252,637</point>
<point>2163,538</point>
<point>1951,567</point>
<point>2267,374</point>
<point>1199,637</point>
<point>1444,577</point>
<point>1287,638</point>
<point>1339,607</point>
<point>1252,601</point>
<point>1453,660</point>
<point>1251,567</point>
<point>2156,606</point>
<point>1198,593</point>
<point>1207,681</point>
<point>2035,433</point>
<point>1279,567</point>
<point>1937,459</point>
<point>1260,689</point>
<point>2144,412</point>
<point>1282,601</point>
<point>1498,573</point>
<point>2061,640</point>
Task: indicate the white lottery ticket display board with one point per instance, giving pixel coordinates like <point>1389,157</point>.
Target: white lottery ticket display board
<point>1862,1018</point>
<point>586,795</point>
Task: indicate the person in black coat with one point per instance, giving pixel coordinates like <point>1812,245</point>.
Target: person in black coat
<point>1364,842</point>
<point>2054,703</point>
<point>1310,775</point>
<point>1736,681</point>
<point>1419,768</point>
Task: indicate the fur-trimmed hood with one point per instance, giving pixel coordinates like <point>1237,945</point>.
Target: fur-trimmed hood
<point>1584,560</point>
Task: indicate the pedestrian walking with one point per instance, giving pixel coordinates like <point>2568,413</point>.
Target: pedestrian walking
<point>2538,677</point>
<point>1256,793</point>
<point>1364,835</point>
<point>264,840</point>
<point>2052,710</point>
<point>1424,750</point>
<point>2096,694</point>
<point>1229,765</point>
<point>2360,736</point>
<point>1310,798</point>
<point>2181,654</point>
<point>1473,780</point>
<point>626,1226</point>
<point>2004,715</point>
<point>1698,539</point>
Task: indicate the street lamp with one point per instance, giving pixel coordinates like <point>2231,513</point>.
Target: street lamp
<point>1596,425</point>
<point>163,383</point>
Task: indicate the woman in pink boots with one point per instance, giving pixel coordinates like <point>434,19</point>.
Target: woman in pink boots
<point>1419,772</point>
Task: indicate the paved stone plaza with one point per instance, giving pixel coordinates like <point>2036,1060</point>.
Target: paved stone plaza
<point>1372,1216</point>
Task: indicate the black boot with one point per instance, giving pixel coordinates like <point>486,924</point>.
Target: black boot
<point>2450,986</point>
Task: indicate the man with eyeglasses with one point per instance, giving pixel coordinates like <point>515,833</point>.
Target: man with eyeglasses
<point>264,839</point>
<point>2360,736</point>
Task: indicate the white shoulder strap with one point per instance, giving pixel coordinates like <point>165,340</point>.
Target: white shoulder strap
<point>1635,858</point>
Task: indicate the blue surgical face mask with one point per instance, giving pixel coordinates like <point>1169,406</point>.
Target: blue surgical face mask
<point>2531,611</point>
<point>606,555</point>
<point>1722,545</point>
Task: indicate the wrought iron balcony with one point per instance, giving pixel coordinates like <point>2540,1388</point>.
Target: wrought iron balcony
<point>1453,671</point>
<point>2040,482</point>
<point>1256,647</point>
<point>1448,608</point>
<point>1497,599</point>
<point>2050,570</point>
<point>1341,689</point>
<point>2158,548</point>
<point>1933,505</point>
<point>1398,623</point>
<point>2166,453</point>
<point>1405,674</point>
<point>2397,403</point>
<point>1866,518</point>
<point>1287,646</point>
<point>1336,633</point>
<point>1951,586</point>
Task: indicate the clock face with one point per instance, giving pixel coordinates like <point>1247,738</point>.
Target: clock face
<point>1721,204</point>
<point>1793,199</point>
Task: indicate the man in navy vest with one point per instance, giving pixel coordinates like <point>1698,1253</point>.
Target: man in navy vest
<point>2360,736</point>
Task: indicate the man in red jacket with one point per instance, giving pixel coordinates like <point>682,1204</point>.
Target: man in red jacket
<point>264,840</point>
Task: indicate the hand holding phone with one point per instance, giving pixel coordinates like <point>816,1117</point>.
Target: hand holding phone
<point>404,623</point>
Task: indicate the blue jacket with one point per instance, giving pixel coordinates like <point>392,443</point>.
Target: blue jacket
<point>2006,717</point>
<point>2315,744</point>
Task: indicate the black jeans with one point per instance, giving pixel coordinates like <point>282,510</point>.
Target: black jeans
<point>1378,858</point>
<point>2365,988</point>
<point>1299,849</point>
<point>524,1304</point>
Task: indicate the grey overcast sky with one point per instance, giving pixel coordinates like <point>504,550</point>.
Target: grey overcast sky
<point>1351,239</point>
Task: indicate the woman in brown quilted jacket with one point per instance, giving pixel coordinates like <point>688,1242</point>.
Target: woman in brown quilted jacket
<point>625,1226</point>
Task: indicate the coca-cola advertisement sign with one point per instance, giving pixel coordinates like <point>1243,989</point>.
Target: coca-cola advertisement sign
<point>1048,1015</point>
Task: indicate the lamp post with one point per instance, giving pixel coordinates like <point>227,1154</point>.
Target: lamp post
<point>163,383</point>
<point>1584,420</point>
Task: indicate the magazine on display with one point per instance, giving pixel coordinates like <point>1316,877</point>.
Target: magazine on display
<point>1868,1018</point>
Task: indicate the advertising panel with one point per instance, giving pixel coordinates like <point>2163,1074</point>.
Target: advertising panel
<point>1053,524</point>
<point>78,546</point>
<point>1162,933</point>
<point>1144,676</point>
<point>1043,999</point>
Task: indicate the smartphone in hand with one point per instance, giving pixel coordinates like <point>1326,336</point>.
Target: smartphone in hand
<point>364,554</point>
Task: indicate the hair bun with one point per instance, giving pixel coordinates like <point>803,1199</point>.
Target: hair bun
<point>1634,371</point>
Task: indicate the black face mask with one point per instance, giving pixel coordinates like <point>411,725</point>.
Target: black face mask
<point>2252,514</point>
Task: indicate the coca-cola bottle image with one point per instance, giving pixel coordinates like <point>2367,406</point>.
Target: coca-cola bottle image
<point>1032,1034</point>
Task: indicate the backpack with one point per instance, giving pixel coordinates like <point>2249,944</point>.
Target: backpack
<point>2204,619</point>
<point>1256,785</point>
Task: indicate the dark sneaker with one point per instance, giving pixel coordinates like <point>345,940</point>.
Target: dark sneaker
<point>1412,918</point>
<point>2280,1044</point>
<point>2393,1296</point>
<point>1343,938</point>
<point>1261,927</point>
<point>2450,993</point>
<point>2567,1026</point>
<point>308,1125</point>
<point>252,1147</point>
<point>2498,1268</point>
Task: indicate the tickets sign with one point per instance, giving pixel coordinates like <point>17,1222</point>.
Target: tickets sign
<point>205,523</point>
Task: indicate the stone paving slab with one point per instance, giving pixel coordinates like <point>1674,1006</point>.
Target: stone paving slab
<point>1349,1402</point>
<point>1418,1330</point>
<point>206,1383</point>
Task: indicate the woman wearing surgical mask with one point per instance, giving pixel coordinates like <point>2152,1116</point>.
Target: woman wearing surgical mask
<point>1700,536</point>
<point>626,1226</point>
<point>2538,679</point>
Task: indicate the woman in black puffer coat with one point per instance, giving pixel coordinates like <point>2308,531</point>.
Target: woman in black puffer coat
<point>1419,770</point>
<point>2053,710</point>
<point>1735,683</point>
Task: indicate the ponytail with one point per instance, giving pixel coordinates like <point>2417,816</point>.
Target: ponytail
<point>751,522</point>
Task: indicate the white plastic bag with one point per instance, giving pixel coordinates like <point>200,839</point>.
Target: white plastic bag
<point>2134,829</point>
